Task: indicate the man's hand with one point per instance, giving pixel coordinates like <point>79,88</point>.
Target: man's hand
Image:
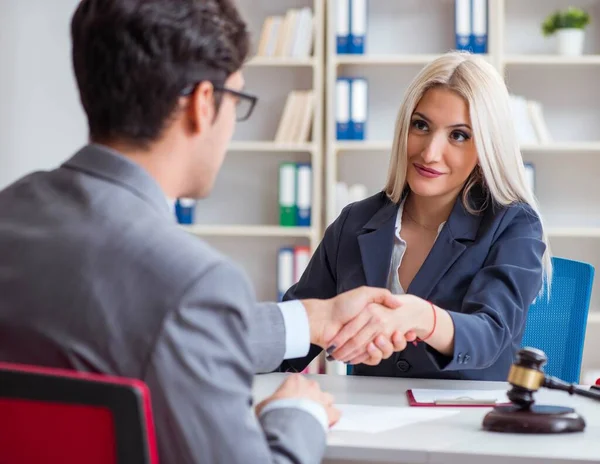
<point>298,386</point>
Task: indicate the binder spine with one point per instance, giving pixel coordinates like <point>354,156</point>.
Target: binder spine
<point>287,194</point>
<point>358,26</point>
<point>342,26</point>
<point>462,22</point>
<point>358,109</point>
<point>479,38</point>
<point>304,195</point>
<point>342,108</point>
<point>285,271</point>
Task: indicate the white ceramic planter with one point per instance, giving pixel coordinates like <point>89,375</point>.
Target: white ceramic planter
<point>570,41</point>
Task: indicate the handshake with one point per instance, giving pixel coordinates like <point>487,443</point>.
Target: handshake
<point>366,325</point>
<point>361,326</point>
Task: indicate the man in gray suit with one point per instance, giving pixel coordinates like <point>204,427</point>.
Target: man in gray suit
<point>96,276</point>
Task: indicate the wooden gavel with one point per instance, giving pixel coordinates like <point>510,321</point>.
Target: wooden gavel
<point>526,377</point>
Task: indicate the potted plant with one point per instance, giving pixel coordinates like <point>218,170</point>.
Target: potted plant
<point>568,25</point>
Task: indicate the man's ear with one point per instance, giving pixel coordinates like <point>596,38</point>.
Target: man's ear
<point>201,108</point>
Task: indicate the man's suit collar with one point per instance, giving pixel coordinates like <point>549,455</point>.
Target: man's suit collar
<point>103,162</point>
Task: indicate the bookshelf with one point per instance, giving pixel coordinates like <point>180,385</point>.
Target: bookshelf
<point>241,216</point>
<point>248,231</point>
<point>403,36</point>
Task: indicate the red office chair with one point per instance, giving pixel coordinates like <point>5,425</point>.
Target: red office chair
<point>65,417</point>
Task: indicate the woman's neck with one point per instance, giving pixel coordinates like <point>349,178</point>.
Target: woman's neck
<point>428,212</point>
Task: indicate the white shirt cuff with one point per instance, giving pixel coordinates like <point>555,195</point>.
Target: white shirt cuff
<point>297,330</point>
<point>312,407</point>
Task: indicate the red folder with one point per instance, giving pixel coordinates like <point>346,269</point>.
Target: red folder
<point>448,404</point>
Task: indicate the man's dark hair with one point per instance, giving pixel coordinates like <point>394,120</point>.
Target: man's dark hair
<point>132,58</point>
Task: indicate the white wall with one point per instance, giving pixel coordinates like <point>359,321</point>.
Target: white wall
<point>41,120</point>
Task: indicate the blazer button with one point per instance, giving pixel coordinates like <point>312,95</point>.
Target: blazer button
<point>403,365</point>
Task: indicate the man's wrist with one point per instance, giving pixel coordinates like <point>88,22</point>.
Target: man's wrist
<point>318,313</point>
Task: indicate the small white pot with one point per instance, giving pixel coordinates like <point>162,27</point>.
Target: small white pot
<point>570,41</point>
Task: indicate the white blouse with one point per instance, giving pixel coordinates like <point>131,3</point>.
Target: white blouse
<point>393,282</point>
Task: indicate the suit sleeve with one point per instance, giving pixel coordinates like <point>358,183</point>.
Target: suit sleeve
<point>318,281</point>
<point>494,309</point>
<point>200,375</point>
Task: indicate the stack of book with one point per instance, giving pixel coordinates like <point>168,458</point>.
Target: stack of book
<point>529,121</point>
<point>297,116</point>
<point>287,36</point>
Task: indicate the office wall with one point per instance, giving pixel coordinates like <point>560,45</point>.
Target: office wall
<point>41,121</point>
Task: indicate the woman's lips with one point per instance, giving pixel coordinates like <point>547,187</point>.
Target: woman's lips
<point>427,172</point>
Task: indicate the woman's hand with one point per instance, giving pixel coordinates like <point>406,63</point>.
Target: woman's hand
<point>383,331</point>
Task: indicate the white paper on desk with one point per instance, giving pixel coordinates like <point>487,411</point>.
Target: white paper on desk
<point>427,395</point>
<point>375,419</point>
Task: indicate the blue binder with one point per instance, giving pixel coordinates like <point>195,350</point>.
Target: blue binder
<point>303,194</point>
<point>342,109</point>
<point>358,108</point>
<point>463,24</point>
<point>342,26</point>
<point>479,18</point>
<point>358,26</point>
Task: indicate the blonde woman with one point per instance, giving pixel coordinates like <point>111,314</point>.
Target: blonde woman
<point>456,232</point>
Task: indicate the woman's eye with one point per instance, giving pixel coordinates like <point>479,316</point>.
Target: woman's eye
<point>419,124</point>
<point>459,136</point>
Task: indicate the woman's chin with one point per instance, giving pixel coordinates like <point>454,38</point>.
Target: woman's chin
<point>424,188</point>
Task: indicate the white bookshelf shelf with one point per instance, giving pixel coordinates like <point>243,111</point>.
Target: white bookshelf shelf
<point>363,60</point>
<point>386,60</point>
<point>552,60</point>
<point>264,61</point>
<point>557,147</point>
<point>248,231</point>
<point>366,145</point>
<point>571,147</point>
<point>269,146</point>
<point>573,232</point>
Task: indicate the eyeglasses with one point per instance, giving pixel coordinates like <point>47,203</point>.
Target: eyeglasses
<point>244,101</point>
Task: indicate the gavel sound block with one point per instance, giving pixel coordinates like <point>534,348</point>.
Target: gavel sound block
<point>523,416</point>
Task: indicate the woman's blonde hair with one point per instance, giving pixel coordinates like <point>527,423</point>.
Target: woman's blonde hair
<point>501,170</point>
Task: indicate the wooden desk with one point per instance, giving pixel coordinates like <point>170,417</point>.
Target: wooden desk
<point>457,439</point>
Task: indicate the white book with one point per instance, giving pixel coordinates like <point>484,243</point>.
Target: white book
<point>522,122</point>
<point>305,117</point>
<point>530,176</point>
<point>357,192</point>
<point>273,36</point>
<point>265,33</point>
<point>301,259</point>
<point>536,114</point>
<point>285,270</point>
<point>287,34</point>
<point>286,121</point>
<point>303,37</point>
